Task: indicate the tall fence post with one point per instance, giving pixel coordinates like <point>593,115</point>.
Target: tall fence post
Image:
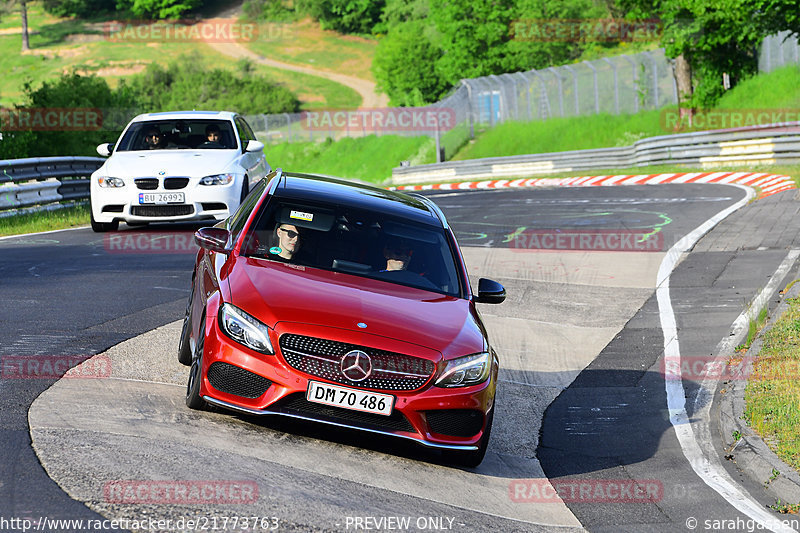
<point>557,76</point>
<point>616,84</point>
<point>655,78</point>
<point>634,84</point>
<point>470,111</point>
<point>527,92</point>
<point>596,93</point>
<point>575,83</point>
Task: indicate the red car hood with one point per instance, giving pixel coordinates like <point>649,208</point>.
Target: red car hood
<point>278,292</point>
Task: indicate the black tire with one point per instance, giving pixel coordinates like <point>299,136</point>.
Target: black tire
<point>184,346</point>
<point>102,227</point>
<point>474,458</point>
<point>193,399</point>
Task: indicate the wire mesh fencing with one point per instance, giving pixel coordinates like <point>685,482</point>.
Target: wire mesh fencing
<point>778,51</point>
<point>622,84</point>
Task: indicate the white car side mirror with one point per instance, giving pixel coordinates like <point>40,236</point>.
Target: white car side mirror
<point>104,149</point>
<point>254,146</point>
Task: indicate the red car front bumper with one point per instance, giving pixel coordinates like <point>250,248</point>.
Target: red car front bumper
<point>238,378</point>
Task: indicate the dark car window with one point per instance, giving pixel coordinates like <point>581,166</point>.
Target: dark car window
<point>238,219</point>
<point>245,133</point>
<point>358,242</point>
<point>178,134</point>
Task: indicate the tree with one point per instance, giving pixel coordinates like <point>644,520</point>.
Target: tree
<point>346,16</point>
<point>473,36</point>
<point>483,37</point>
<point>709,39</point>
<point>6,6</point>
<point>73,91</point>
<point>23,13</point>
<point>188,84</point>
<point>404,66</point>
<point>77,8</point>
<point>159,9</point>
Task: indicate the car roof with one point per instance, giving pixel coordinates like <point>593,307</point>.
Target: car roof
<point>185,115</point>
<point>326,190</point>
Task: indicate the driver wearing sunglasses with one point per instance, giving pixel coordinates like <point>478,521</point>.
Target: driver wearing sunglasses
<point>286,242</point>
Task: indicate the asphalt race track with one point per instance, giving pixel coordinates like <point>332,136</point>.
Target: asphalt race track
<point>582,400</point>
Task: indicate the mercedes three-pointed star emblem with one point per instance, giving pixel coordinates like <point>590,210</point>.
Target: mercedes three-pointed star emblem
<point>356,365</point>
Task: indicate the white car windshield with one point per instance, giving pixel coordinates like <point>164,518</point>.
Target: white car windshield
<point>179,135</point>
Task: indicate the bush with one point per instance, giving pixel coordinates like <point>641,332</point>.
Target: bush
<point>187,84</point>
<point>346,16</point>
<point>71,92</point>
<point>404,66</point>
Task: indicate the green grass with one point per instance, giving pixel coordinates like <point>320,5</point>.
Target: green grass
<point>753,330</point>
<point>304,43</point>
<point>776,90</point>
<point>68,217</point>
<point>772,395</point>
<point>59,45</point>
<point>561,134</point>
<point>369,159</point>
<point>36,18</point>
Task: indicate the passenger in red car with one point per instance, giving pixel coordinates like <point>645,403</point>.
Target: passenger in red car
<point>286,242</point>
<point>397,254</point>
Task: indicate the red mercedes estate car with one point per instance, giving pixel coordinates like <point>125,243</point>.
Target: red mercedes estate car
<point>344,304</point>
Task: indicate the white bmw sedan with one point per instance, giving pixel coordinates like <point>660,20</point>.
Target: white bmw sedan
<point>176,166</point>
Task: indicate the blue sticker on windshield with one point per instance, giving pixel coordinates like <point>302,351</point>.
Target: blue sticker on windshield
<point>275,250</point>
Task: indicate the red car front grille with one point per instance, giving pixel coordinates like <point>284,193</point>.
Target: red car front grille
<point>323,358</point>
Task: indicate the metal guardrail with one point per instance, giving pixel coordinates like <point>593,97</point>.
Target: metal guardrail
<point>45,180</point>
<point>759,145</point>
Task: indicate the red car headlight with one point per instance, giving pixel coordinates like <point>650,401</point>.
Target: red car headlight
<point>245,329</point>
<point>465,371</point>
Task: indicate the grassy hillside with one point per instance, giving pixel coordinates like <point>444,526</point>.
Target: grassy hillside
<point>779,89</point>
<point>59,45</point>
<point>368,158</point>
<point>304,43</point>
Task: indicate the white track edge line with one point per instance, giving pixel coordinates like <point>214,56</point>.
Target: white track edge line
<point>710,472</point>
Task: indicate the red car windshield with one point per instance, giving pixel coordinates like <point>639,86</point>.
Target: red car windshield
<point>357,242</point>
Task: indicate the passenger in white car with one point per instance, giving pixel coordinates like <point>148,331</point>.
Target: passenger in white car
<point>154,139</point>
